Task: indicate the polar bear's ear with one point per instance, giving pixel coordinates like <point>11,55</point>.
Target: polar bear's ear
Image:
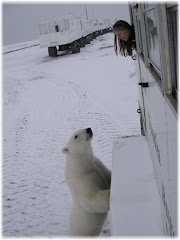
<point>65,150</point>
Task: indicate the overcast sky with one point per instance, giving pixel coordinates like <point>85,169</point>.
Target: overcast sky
<point>20,20</point>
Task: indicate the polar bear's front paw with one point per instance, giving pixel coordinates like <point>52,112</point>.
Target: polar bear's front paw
<point>100,200</point>
<point>95,202</point>
<point>104,201</point>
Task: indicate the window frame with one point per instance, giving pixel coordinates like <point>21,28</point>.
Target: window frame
<point>139,33</point>
<point>152,65</point>
<point>142,8</point>
<point>173,44</point>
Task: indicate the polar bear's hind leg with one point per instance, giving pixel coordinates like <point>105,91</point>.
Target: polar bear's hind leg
<point>83,223</point>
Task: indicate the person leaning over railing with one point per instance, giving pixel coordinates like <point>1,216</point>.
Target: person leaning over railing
<point>125,37</point>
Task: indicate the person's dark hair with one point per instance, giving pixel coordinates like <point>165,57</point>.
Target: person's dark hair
<point>125,47</point>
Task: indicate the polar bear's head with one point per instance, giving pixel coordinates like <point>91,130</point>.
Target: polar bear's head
<point>79,145</point>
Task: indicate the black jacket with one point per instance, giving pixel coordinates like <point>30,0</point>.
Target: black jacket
<point>132,37</point>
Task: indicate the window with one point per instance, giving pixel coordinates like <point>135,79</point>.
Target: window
<point>44,28</point>
<point>95,23</point>
<point>172,34</point>
<point>67,24</point>
<point>152,36</point>
<point>57,28</point>
<point>51,30</point>
<point>62,25</point>
<point>40,28</point>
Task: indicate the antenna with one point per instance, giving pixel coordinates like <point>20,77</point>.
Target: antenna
<point>86,12</point>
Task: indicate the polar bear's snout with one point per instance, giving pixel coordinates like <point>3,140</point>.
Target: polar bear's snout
<point>89,133</point>
<point>88,130</point>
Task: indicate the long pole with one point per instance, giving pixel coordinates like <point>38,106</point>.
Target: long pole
<point>86,12</point>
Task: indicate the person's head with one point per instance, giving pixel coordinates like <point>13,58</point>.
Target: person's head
<point>122,32</point>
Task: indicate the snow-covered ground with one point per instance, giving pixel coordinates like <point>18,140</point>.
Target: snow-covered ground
<point>44,101</point>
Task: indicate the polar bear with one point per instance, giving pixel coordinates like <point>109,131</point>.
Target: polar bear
<point>89,182</point>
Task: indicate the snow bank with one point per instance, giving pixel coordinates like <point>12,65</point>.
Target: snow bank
<point>19,46</point>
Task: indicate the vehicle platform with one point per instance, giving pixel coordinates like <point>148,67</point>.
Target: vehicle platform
<point>135,208</point>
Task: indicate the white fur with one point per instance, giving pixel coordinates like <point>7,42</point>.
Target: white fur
<point>89,182</point>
